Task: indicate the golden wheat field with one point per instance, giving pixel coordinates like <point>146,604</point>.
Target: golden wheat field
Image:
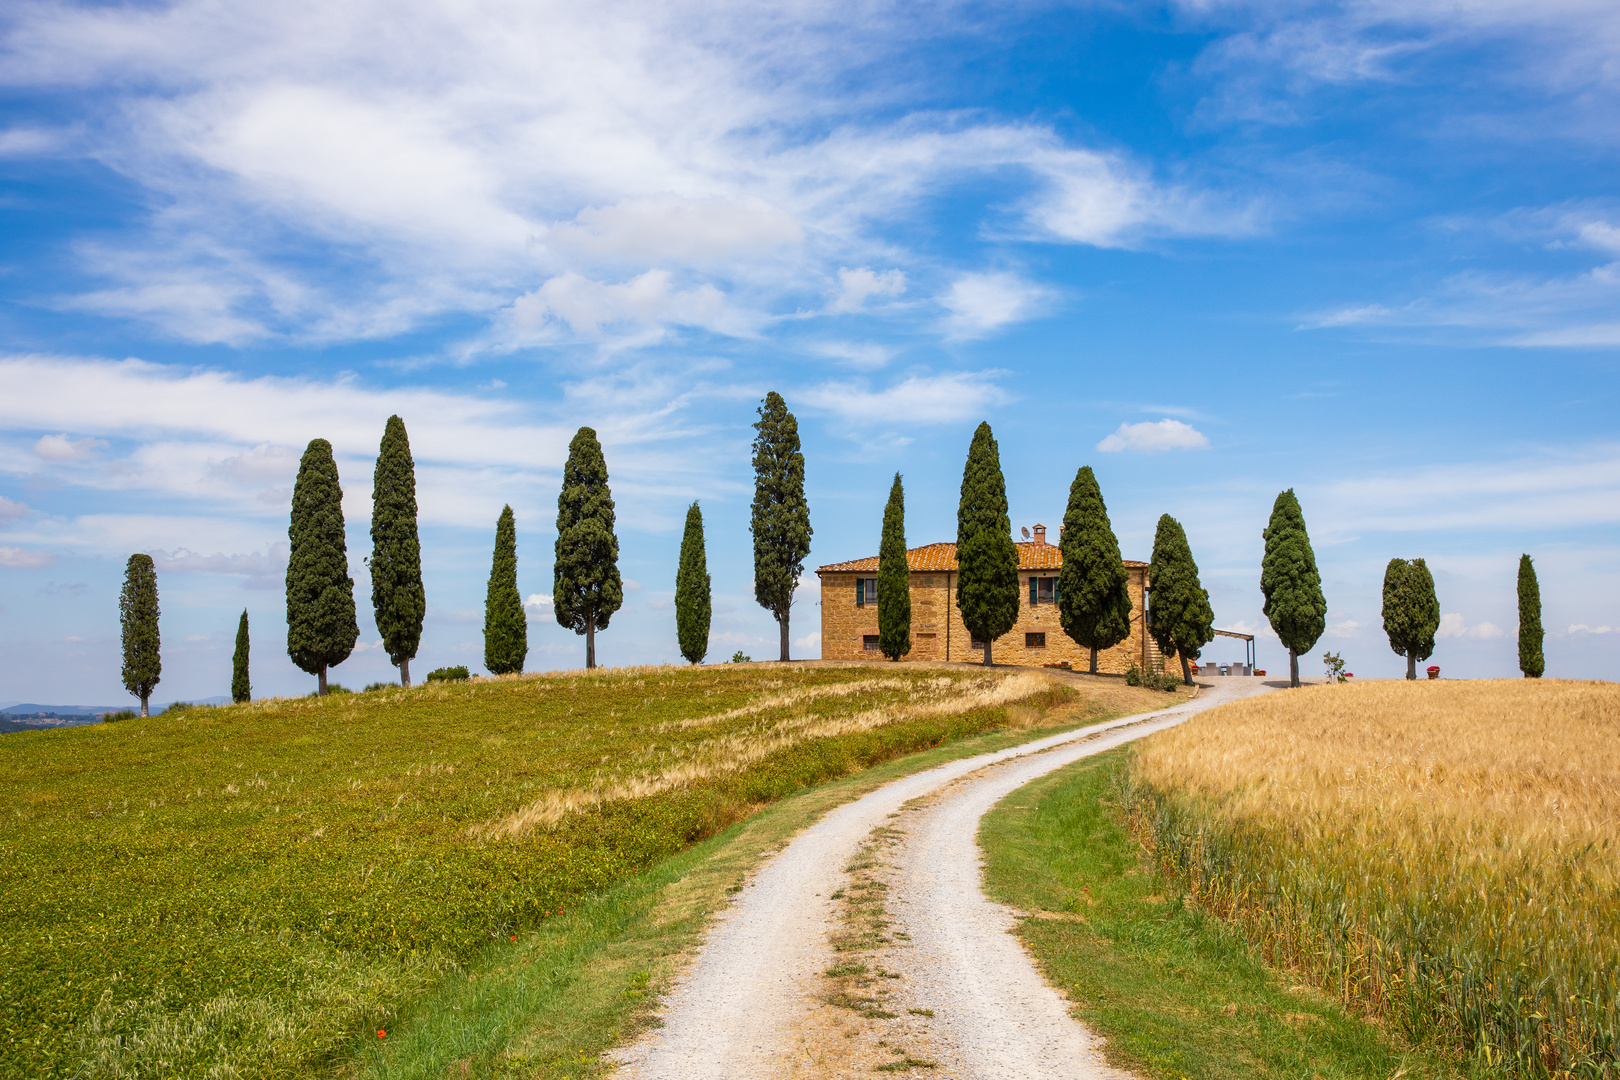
<point>1441,855</point>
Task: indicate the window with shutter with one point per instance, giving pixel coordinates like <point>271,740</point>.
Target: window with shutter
<point>866,592</point>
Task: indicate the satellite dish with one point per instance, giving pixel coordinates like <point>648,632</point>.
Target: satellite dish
<point>1026,532</point>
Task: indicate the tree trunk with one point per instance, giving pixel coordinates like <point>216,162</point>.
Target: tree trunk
<point>1094,659</point>
<point>145,712</point>
<point>405,672</point>
<point>988,662</point>
<point>1186,670</point>
<point>321,686</point>
<point>782,623</point>
<point>1411,665</point>
<point>1293,668</point>
<point>590,641</point>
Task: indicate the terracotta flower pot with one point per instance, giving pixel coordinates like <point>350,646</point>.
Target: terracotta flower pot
<point>1434,671</point>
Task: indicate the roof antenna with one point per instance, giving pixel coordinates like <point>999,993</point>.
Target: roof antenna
<point>1026,532</point>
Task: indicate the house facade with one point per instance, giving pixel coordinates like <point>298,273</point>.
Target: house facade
<point>849,621</point>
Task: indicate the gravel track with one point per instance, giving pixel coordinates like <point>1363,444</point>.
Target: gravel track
<point>754,1002</point>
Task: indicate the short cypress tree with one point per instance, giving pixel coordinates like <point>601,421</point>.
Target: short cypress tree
<point>1411,612</point>
<point>780,520</point>
<point>138,618</point>
<point>1531,660</point>
<point>1179,616</point>
<point>986,557</point>
<point>321,627</point>
<point>1289,580</point>
<point>241,688</point>
<point>692,594</point>
<point>894,578</point>
<point>506,628</point>
<point>1094,600</point>
<point>397,598</point>
<point>586,571</point>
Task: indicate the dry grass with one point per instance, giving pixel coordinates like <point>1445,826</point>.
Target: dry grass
<point>1441,855</point>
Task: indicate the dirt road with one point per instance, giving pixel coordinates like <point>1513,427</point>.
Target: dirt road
<point>867,942</point>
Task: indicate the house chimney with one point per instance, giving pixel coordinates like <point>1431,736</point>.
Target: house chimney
<point>1040,534</point>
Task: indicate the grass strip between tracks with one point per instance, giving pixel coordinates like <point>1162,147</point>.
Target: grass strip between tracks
<point>1178,994</point>
<point>550,1003</point>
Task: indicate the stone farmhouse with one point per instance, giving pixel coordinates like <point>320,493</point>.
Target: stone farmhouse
<point>849,622</point>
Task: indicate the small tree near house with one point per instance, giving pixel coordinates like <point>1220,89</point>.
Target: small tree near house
<point>987,558</point>
<point>894,578</point>
<point>1179,616</point>
<point>1094,600</point>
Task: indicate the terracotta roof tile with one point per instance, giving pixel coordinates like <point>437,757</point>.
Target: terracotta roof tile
<point>1031,556</point>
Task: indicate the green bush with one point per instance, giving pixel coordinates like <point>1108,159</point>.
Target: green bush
<point>1152,680</point>
<point>371,687</point>
<point>738,658</point>
<point>121,714</point>
<point>449,674</point>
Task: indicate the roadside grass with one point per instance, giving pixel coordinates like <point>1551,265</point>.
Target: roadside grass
<point>1438,855</point>
<point>253,890</point>
<point>549,1006</point>
<point>1178,994</point>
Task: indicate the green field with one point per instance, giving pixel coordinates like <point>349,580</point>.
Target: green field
<point>256,890</point>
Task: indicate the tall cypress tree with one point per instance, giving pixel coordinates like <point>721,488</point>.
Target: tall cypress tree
<point>692,595</point>
<point>1094,601</point>
<point>138,618</point>
<point>1179,616</point>
<point>1289,580</point>
<point>241,688</point>
<point>397,597</point>
<point>894,578</point>
<point>780,520</point>
<point>1411,612</point>
<point>1531,660</point>
<point>986,557</point>
<point>321,627</point>
<point>506,628</point>
<point>586,571</point>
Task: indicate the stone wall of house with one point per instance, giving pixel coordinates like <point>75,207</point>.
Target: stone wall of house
<point>937,632</point>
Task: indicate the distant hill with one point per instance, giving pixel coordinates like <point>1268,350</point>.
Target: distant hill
<point>31,716</point>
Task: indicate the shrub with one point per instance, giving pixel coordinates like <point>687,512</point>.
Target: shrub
<point>121,714</point>
<point>381,686</point>
<point>739,658</point>
<point>448,674</point>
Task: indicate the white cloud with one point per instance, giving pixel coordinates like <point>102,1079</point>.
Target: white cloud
<point>680,229</point>
<point>537,603</point>
<point>1150,437</point>
<point>919,399</point>
<point>857,286</point>
<point>262,569</point>
<point>62,448</point>
<point>1582,628</point>
<point>1453,626</point>
<point>27,142</point>
<point>11,511</point>
<point>1344,628</point>
<point>809,641</point>
<point>854,354</point>
<point>21,559</point>
<point>647,302</point>
<point>982,303</point>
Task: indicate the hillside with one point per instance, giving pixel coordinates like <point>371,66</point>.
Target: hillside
<point>249,888</point>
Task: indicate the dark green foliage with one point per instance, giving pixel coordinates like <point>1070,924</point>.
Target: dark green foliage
<point>449,674</point>
<point>1179,616</point>
<point>1531,660</point>
<point>1411,612</point>
<point>1289,580</point>
<point>121,714</point>
<point>739,657</point>
<point>987,558</point>
<point>692,594</point>
<point>894,578</point>
<point>321,627</point>
<point>241,688</point>
<point>1094,601</point>
<point>138,617</point>
<point>381,686</point>
<point>397,597</point>
<point>780,521</point>
<point>506,628</point>
<point>586,572</point>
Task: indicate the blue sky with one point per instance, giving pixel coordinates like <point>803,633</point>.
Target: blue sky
<point>1370,251</point>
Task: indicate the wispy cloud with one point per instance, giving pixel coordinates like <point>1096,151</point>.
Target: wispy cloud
<point>918,399</point>
<point>980,304</point>
<point>23,559</point>
<point>1149,437</point>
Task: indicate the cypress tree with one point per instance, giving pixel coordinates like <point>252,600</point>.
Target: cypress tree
<point>1411,612</point>
<point>1179,616</point>
<point>241,688</point>
<point>1531,660</point>
<point>986,557</point>
<point>780,521</point>
<point>586,571</point>
<point>506,628</point>
<point>321,627</point>
<point>1295,606</point>
<point>894,578</point>
<point>1094,601</point>
<point>397,597</point>
<point>138,618</point>
<point>692,595</point>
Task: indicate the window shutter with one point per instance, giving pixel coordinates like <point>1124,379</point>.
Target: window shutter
<point>860,592</point>
<point>1032,594</point>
